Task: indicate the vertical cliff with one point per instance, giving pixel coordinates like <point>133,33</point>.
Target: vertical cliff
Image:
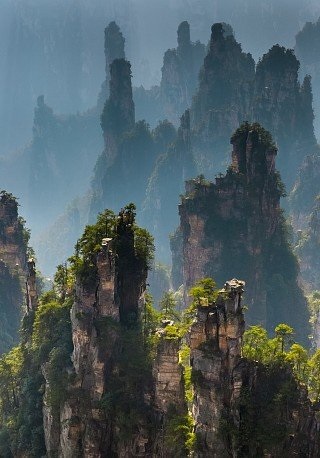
<point>307,249</point>
<point>235,227</point>
<point>307,51</point>
<point>179,81</point>
<point>305,190</point>
<point>284,107</point>
<point>165,185</point>
<point>114,48</point>
<point>220,103</point>
<point>131,148</point>
<point>111,379</point>
<point>105,410</point>
<point>13,257</point>
<point>180,74</point>
<point>118,112</point>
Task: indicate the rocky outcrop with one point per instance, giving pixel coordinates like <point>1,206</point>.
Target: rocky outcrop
<point>284,107</point>
<point>179,81</point>
<point>114,48</point>
<point>307,51</point>
<point>105,307</point>
<point>307,249</point>
<point>235,227</point>
<point>13,257</point>
<point>304,192</point>
<point>31,286</point>
<point>180,74</point>
<point>270,94</point>
<point>220,103</point>
<point>118,113</point>
<point>165,185</point>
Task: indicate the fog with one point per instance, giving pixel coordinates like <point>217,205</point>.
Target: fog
<point>55,47</point>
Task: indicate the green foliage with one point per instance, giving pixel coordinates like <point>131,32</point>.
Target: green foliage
<point>47,345</point>
<point>168,307</point>
<point>144,246</point>
<point>184,360</point>
<point>204,293</point>
<point>179,435</point>
<point>108,225</point>
<point>83,263</point>
<point>281,351</point>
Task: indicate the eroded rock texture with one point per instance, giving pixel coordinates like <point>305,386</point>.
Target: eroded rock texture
<point>235,227</point>
<point>13,272</point>
<point>234,408</point>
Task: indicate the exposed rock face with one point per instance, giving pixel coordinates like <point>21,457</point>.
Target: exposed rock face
<point>270,95</point>
<point>113,44</point>
<point>164,187</point>
<point>230,391</point>
<point>284,107</point>
<point>180,74</point>
<point>118,113</point>
<point>118,402</point>
<point>221,103</point>
<point>13,258</point>
<point>307,249</point>
<point>307,51</point>
<point>215,342</point>
<point>304,192</point>
<point>168,379</point>
<point>103,307</point>
<point>58,143</point>
<point>179,81</point>
<point>235,227</point>
<point>31,286</point>
<point>131,149</point>
<point>114,48</point>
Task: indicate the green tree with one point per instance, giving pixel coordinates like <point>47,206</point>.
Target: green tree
<point>255,344</point>
<point>284,334</point>
<point>298,358</point>
<point>204,292</point>
<point>168,307</point>
<point>314,377</point>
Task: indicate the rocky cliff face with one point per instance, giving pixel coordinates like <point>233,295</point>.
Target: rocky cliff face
<point>165,185</point>
<point>221,103</point>
<point>270,94</point>
<point>218,416</point>
<point>235,227</point>
<point>305,191</point>
<point>13,270</point>
<point>284,107</point>
<point>307,51</point>
<point>179,81</point>
<point>104,314</point>
<point>307,249</point>
<point>180,74</point>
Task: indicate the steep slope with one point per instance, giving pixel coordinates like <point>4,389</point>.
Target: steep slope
<point>284,107</point>
<point>307,51</point>
<point>132,388</point>
<point>221,102</point>
<point>13,270</point>
<point>179,80</point>
<point>166,183</point>
<point>131,149</point>
<point>235,227</point>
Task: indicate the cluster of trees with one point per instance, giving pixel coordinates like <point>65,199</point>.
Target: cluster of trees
<point>282,350</point>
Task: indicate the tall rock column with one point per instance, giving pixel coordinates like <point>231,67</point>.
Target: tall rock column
<point>234,227</point>
<point>118,115</point>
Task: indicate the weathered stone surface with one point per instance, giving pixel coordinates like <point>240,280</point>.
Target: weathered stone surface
<point>234,227</point>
